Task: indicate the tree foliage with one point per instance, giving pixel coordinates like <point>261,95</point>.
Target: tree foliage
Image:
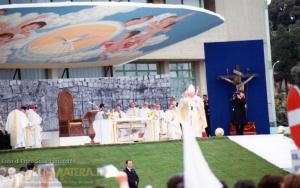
<point>284,18</point>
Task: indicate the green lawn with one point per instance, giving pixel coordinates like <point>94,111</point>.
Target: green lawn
<point>154,162</point>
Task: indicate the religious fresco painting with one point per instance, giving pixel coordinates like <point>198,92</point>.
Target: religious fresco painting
<point>87,34</point>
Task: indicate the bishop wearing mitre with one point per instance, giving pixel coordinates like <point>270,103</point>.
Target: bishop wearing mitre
<point>191,112</point>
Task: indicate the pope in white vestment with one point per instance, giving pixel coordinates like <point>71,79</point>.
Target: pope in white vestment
<point>16,125</point>
<point>171,117</point>
<point>33,132</point>
<point>191,112</point>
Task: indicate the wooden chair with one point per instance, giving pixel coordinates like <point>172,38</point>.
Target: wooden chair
<point>68,126</point>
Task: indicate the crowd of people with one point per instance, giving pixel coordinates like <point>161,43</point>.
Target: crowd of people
<point>22,129</point>
<point>28,177</point>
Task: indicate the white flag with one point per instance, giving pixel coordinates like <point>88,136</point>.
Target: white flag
<point>197,173</point>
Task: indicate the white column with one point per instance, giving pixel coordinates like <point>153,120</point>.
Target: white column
<point>269,71</point>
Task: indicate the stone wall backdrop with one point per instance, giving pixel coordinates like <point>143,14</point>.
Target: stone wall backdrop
<point>107,90</point>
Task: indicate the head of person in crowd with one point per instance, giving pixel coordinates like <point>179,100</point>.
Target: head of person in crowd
<point>270,181</point>
<point>291,181</point>
<point>244,184</point>
<point>132,104</point>
<point>101,107</point>
<point>30,165</point>
<point>145,104</point>
<point>11,171</point>
<point>2,171</point>
<point>176,181</point>
<point>171,106</point>
<point>224,184</point>
<point>22,170</point>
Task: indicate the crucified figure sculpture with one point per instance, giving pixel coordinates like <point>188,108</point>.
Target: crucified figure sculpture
<point>236,78</point>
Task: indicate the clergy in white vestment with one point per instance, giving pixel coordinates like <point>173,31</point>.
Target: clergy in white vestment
<point>144,111</point>
<point>118,113</point>
<point>33,132</point>
<point>161,121</point>
<point>173,126</point>
<point>191,112</point>
<point>16,125</point>
<point>103,127</point>
<point>133,111</point>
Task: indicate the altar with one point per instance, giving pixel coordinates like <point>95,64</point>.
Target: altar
<point>131,129</point>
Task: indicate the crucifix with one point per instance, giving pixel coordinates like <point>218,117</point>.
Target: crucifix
<point>237,78</point>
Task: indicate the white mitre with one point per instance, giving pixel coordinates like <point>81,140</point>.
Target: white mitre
<point>191,89</point>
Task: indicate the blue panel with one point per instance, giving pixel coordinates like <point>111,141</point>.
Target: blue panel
<point>246,54</point>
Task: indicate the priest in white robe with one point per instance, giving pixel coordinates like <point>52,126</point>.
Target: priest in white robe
<point>191,112</point>
<point>16,125</point>
<point>161,121</point>
<point>33,132</point>
<point>103,127</point>
<point>118,113</point>
<point>133,111</point>
<point>144,111</point>
<point>173,126</point>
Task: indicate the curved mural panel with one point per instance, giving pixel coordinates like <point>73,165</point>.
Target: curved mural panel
<point>93,34</point>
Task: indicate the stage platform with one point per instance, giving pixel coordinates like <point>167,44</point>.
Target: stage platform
<point>275,148</point>
<point>52,139</point>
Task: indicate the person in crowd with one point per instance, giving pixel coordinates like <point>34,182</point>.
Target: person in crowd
<point>270,181</point>
<point>33,132</point>
<point>239,111</point>
<point>16,125</point>
<point>176,181</point>
<point>3,179</point>
<point>133,178</point>
<point>291,181</point>
<point>244,184</point>
<point>133,111</point>
<point>30,173</point>
<point>18,179</point>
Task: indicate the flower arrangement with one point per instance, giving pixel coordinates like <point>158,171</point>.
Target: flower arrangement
<point>153,114</point>
<point>110,115</point>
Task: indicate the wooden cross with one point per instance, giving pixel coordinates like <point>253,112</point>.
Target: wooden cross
<point>237,78</point>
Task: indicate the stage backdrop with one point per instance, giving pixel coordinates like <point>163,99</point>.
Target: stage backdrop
<point>93,33</point>
<point>107,90</point>
<point>249,56</point>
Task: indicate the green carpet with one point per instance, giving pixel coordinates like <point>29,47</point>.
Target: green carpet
<point>154,162</point>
